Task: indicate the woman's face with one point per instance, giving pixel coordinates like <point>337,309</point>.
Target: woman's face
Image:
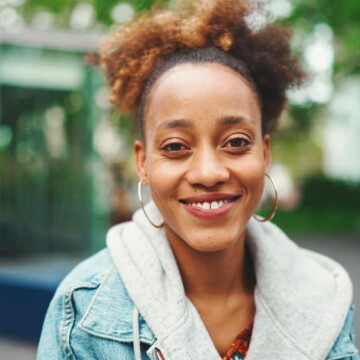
<point>204,155</point>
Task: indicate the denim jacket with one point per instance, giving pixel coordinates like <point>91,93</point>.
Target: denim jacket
<point>89,319</point>
<point>92,315</point>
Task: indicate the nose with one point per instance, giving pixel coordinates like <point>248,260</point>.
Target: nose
<point>207,168</point>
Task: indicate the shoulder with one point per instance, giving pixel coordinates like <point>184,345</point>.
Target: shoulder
<point>95,281</point>
<point>305,295</point>
<point>91,302</point>
<point>89,272</point>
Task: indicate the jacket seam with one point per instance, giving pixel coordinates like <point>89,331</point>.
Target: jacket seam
<point>107,274</point>
<point>113,338</point>
<point>68,324</point>
<point>90,307</point>
<point>69,316</point>
<point>341,357</point>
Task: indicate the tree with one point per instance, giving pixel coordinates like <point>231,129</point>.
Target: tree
<point>343,17</point>
<point>92,14</point>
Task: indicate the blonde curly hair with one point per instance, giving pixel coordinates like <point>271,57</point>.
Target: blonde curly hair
<point>138,50</point>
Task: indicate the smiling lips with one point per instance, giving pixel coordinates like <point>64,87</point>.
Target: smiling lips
<point>209,205</point>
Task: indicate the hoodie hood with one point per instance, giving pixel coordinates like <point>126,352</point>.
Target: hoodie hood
<point>301,297</point>
<point>144,259</point>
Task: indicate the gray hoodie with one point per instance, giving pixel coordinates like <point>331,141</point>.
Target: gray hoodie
<point>302,298</point>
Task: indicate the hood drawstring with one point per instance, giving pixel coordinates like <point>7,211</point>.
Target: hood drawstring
<point>136,341</point>
<point>159,355</point>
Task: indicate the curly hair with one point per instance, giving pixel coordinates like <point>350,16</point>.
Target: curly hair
<point>200,31</point>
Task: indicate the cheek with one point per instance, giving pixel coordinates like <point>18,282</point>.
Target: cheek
<point>253,176</point>
<point>159,186</point>
<point>163,179</point>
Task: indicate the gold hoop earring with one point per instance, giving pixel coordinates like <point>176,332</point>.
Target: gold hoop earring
<point>276,203</point>
<point>140,183</point>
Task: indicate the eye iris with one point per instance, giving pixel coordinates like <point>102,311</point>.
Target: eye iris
<point>236,142</point>
<point>175,147</point>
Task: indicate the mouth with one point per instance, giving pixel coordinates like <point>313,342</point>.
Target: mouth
<point>210,204</point>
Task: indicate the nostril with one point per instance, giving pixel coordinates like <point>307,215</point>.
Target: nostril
<point>208,176</point>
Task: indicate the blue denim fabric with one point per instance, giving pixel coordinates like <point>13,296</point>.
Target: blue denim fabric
<point>91,317</point>
<point>344,347</point>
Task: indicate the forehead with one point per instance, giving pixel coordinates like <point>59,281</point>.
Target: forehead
<point>188,91</point>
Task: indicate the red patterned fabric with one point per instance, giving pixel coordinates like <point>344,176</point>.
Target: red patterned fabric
<point>240,345</point>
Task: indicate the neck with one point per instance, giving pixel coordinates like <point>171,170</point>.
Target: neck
<point>215,276</point>
<point>220,284</point>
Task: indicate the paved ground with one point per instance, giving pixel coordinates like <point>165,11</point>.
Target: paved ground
<point>11,350</point>
<point>345,250</point>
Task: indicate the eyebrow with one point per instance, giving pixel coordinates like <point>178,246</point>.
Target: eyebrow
<point>186,124</point>
<point>176,123</point>
<point>233,120</point>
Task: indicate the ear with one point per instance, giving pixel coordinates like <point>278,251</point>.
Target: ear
<point>140,158</point>
<point>267,150</point>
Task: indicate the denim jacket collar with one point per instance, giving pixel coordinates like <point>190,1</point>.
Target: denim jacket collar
<point>110,314</point>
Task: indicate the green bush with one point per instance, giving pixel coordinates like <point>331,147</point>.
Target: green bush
<point>320,192</point>
<point>305,222</point>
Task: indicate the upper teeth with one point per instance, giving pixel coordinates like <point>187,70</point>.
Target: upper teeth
<point>208,205</point>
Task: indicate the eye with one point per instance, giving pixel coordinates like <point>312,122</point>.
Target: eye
<point>174,146</point>
<point>238,142</point>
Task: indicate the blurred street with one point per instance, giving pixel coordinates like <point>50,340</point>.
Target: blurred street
<point>345,250</point>
<point>12,350</point>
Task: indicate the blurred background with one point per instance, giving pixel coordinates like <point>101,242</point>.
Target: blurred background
<point>65,154</point>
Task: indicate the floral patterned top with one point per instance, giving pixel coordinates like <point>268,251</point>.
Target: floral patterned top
<point>240,345</point>
<point>237,350</point>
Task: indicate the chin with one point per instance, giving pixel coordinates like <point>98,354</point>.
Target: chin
<point>213,244</point>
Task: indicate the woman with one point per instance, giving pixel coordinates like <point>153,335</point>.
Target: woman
<point>195,275</point>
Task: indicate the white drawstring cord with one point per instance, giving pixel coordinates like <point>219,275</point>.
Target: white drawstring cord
<point>136,341</point>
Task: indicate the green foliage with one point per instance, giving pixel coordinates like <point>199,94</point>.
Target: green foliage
<point>103,8</point>
<point>303,118</point>
<point>56,6</point>
<point>316,222</point>
<point>343,17</point>
<point>62,9</point>
<point>329,206</point>
<point>323,193</point>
